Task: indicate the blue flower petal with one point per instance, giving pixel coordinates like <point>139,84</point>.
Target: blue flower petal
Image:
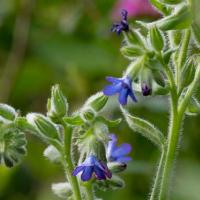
<point>122,150</point>
<point>77,170</point>
<point>111,145</point>
<point>113,79</point>
<point>87,173</point>
<point>99,173</point>
<point>124,159</point>
<point>112,89</point>
<point>123,95</point>
<point>131,94</point>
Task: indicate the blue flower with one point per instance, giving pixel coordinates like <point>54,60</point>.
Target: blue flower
<point>92,166</point>
<point>122,25</point>
<point>146,90</point>
<point>116,153</point>
<point>122,86</point>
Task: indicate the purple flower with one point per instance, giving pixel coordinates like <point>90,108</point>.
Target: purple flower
<point>122,86</point>
<point>122,25</point>
<point>116,153</point>
<point>92,166</point>
<point>146,90</point>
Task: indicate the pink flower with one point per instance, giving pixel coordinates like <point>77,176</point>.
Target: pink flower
<point>135,8</point>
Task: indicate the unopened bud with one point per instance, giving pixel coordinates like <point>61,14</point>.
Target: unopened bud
<point>43,125</point>
<point>57,105</point>
<point>156,38</point>
<point>7,112</point>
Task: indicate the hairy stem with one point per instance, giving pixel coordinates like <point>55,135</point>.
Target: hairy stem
<point>68,164</point>
<point>177,113</point>
<point>155,190</point>
<point>172,142</point>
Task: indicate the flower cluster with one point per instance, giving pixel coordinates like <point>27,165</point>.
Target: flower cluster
<point>93,167</point>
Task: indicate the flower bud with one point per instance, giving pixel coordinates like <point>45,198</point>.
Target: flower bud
<point>96,102</point>
<point>52,154</point>
<point>116,167</point>
<point>146,82</point>
<point>57,105</point>
<point>156,38</point>
<point>7,112</point>
<point>146,90</point>
<point>188,73</point>
<point>62,190</point>
<point>43,125</point>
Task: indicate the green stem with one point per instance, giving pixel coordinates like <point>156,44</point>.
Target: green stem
<point>159,173</point>
<point>173,138</point>
<point>68,165</point>
<point>182,57</point>
<point>177,113</point>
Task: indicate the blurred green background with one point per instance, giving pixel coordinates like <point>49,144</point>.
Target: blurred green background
<point>43,42</point>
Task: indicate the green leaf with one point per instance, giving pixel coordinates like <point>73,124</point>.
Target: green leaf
<point>161,7</point>
<point>109,123</point>
<point>181,19</point>
<point>145,128</point>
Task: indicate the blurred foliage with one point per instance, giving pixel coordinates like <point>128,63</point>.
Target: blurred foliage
<point>70,43</point>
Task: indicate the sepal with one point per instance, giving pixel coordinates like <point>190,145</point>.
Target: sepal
<point>132,51</point>
<point>111,184</point>
<point>157,39</point>
<point>96,102</point>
